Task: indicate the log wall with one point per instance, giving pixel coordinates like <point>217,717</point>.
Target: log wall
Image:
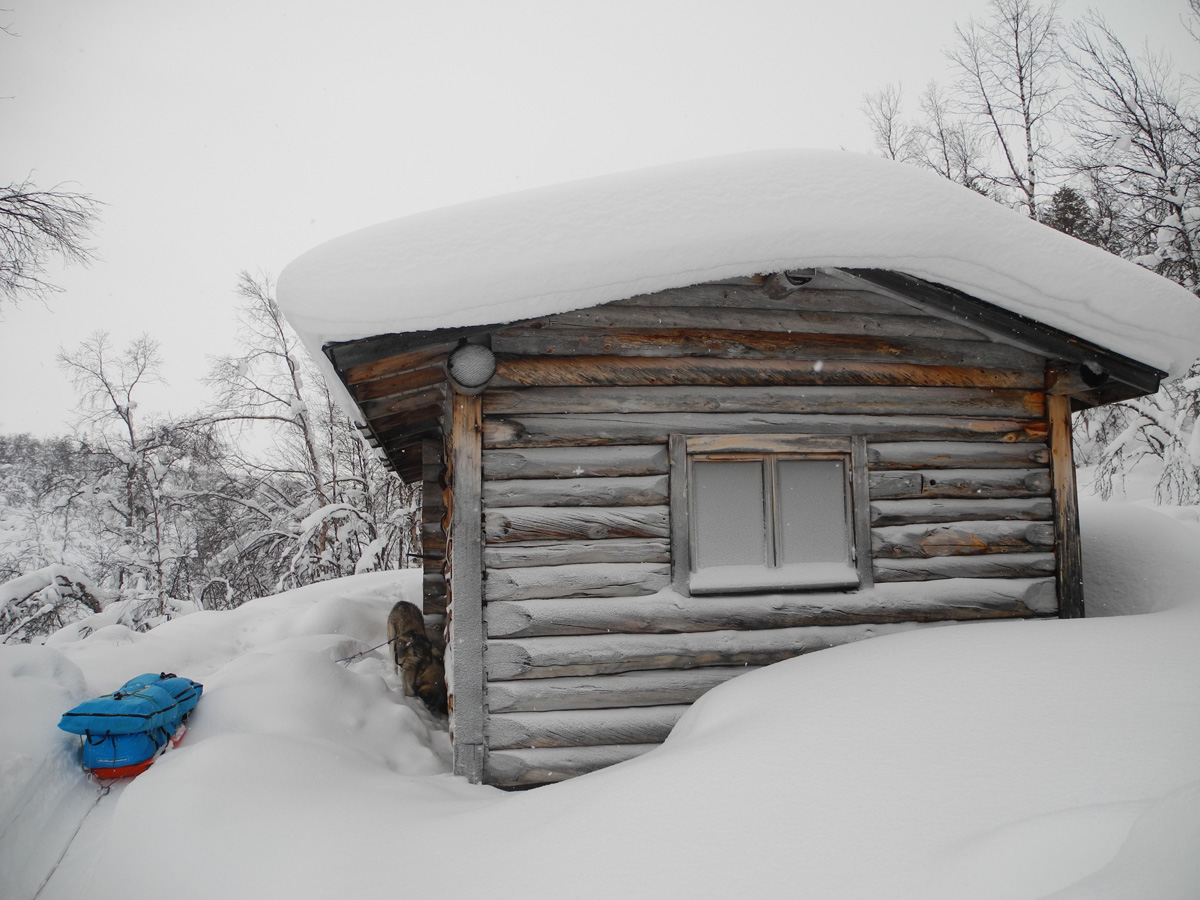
<point>590,655</point>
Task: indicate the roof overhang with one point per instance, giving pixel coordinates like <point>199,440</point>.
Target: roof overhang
<point>400,384</point>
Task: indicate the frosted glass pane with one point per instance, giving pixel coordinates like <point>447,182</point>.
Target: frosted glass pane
<point>728,524</point>
<point>811,497</point>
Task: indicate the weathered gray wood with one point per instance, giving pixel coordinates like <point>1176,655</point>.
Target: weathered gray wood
<point>551,657</point>
<point>991,565</point>
<point>633,371</point>
<point>360,364</point>
<point>402,381</point>
<point>895,484</point>
<point>646,428</point>
<point>581,580</point>
<point>732,344</point>
<point>955,455</point>
<point>739,319</point>
<point>681,543</point>
<point>860,525</point>
<point>1066,510</point>
<point>761,443</point>
<point>564,553</point>
<point>412,403</point>
<point>818,399</point>
<point>754,297</point>
<point>638,490</point>
<point>979,483</point>
<point>531,523</point>
<point>961,539</point>
<point>629,689</point>
<point>582,727</point>
<point>949,597</point>
<point>575,462</point>
<point>466,589</point>
<point>523,768</point>
<point>907,512</point>
<point>433,534</point>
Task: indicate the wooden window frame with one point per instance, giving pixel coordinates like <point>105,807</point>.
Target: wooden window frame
<point>851,448</point>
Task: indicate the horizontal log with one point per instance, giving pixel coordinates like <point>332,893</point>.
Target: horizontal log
<point>530,523</point>
<point>629,689</point>
<point>575,462</point>
<point>581,727</point>
<point>961,539</point>
<point>955,455</point>
<point>991,565</point>
<point>563,553</point>
<point>947,483</point>
<point>907,512</point>
<point>754,297</point>
<point>638,490</point>
<point>668,613</point>
<point>549,371</point>
<point>647,428</point>
<point>734,344</point>
<point>818,399</point>
<point>743,319</point>
<point>522,768</point>
<point>579,580</point>
<point>434,596</point>
<point>551,657</point>
<point>433,545</point>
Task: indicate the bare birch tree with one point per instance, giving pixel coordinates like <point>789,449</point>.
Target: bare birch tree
<point>36,226</point>
<point>1008,83</point>
<point>320,505</point>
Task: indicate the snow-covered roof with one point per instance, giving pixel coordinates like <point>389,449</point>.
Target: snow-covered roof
<point>570,246</point>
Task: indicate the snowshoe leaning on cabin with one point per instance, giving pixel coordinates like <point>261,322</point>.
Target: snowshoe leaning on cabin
<point>415,658</point>
<point>127,730</point>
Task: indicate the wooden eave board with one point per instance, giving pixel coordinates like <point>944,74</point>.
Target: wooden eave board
<point>1126,378</point>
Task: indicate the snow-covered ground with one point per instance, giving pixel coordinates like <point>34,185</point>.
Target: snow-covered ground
<point>993,760</point>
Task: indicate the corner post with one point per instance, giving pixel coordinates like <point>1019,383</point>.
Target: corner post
<point>465,552</point>
<point>1068,552</point>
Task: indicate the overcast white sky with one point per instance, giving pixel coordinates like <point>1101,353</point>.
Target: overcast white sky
<point>236,134</point>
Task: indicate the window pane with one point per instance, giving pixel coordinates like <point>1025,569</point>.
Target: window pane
<point>728,525</point>
<point>811,498</point>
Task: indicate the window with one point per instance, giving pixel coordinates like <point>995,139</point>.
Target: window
<point>768,513</point>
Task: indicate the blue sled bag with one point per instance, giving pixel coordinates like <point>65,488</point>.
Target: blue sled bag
<point>125,731</point>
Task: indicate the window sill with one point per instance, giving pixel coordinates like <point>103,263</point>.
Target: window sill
<point>805,577</point>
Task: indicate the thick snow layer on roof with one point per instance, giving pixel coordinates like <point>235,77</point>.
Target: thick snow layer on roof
<point>574,245</point>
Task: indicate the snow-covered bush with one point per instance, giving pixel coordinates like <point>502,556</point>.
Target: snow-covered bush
<point>39,603</point>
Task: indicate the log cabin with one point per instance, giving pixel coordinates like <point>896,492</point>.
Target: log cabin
<point>680,423</point>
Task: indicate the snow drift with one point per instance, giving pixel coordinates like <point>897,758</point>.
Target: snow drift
<point>985,760</point>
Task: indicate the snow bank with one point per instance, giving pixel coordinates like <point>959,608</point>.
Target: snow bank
<point>987,760</point>
<point>574,245</point>
<point>1137,559</point>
